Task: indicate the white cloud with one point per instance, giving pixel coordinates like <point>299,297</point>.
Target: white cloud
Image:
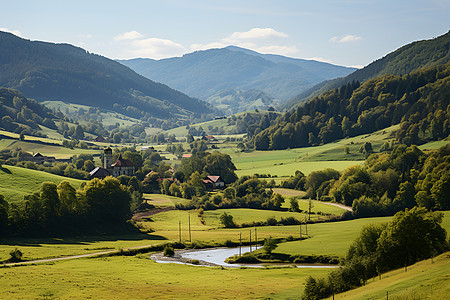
<point>213,45</point>
<point>156,48</point>
<point>261,40</point>
<point>345,39</point>
<point>130,35</point>
<point>15,32</point>
<point>257,33</point>
<point>275,49</point>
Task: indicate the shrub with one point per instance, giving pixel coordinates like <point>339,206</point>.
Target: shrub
<point>16,255</point>
<point>168,251</point>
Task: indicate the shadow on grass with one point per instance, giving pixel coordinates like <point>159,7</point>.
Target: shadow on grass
<point>5,170</point>
<point>81,240</point>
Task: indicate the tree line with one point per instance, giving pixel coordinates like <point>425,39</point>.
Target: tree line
<point>61,209</point>
<point>387,182</point>
<point>411,236</point>
<point>419,101</point>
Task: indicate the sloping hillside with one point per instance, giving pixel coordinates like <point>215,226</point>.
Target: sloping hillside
<point>419,101</point>
<point>16,182</point>
<point>411,57</point>
<point>19,114</point>
<point>48,71</point>
<point>203,74</point>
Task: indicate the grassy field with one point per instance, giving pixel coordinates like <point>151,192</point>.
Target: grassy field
<point>329,238</point>
<point>17,182</point>
<point>58,152</point>
<point>424,280</point>
<point>141,278</point>
<point>246,215</point>
<point>335,238</point>
<point>163,200</point>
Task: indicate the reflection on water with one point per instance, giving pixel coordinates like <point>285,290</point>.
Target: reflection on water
<point>218,255</point>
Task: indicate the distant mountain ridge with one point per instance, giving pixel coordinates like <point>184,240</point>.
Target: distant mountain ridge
<point>48,71</point>
<point>406,59</point>
<point>204,74</point>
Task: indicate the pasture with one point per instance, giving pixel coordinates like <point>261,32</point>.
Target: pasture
<point>139,277</point>
<point>428,279</point>
<point>53,149</point>
<point>16,182</point>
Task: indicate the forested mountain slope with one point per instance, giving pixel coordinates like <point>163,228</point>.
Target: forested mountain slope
<point>404,60</point>
<point>19,114</point>
<point>203,74</point>
<point>48,71</point>
<point>420,100</point>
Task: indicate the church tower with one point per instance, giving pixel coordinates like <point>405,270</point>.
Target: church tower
<point>107,158</point>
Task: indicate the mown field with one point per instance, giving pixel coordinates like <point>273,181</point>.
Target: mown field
<point>138,277</point>
<point>58,152</point>
<point>16,182</point>
<point>141,278</point>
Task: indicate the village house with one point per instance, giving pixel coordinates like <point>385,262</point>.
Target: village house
<point>37,157</point>
<point>213,182</point>
<point>120,167</point>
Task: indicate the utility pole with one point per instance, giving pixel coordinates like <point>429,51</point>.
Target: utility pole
<point>179,230</point>
<point>306,226</point>
<point>240,242</point>
<point>250,240</point>
<point>256,240</point>
<point>190,240</point>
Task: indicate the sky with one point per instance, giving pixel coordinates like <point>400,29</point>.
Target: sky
<point>342,32</point>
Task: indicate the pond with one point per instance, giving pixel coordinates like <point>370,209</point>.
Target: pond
<point>217,256</point>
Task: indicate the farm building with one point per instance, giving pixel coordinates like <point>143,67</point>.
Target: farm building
<point>213,182</point>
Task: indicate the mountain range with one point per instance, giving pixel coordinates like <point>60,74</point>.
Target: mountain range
<point>208,74</point>
<point>49,71</point>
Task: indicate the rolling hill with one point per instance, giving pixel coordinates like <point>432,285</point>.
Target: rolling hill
<point>206,74</point>
<point>48,71</point>
<point>409,58</point>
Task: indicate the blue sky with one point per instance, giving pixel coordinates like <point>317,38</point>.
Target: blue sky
<point>345,32</point>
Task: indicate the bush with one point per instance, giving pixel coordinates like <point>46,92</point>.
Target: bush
<point>168,251</point>
<point>16,255</point>
<point>227,221</point>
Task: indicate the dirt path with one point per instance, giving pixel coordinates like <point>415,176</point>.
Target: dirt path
<point>337,205</point>
<point>139,216</point>
<point>290,193</point>
<point>95,254</point>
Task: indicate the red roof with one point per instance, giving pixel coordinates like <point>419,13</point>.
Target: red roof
<point>121,162</point>
<point>213,178</point>
<point>186,156</point>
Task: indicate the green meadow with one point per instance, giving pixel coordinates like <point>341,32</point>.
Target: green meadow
<point>16,182</point>
<point>139,277</point>
<point>428,279</point>
<point>58,152</point>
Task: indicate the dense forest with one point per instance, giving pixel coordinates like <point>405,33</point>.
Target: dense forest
<point>420,100</point>
<point>404,60</point>
<point>387,183</point>
<point>47,71</point>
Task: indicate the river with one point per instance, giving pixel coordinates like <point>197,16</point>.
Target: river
<point>217,256</point>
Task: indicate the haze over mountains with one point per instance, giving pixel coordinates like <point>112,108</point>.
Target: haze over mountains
<point>229,72</point>
<point>48,71</point>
